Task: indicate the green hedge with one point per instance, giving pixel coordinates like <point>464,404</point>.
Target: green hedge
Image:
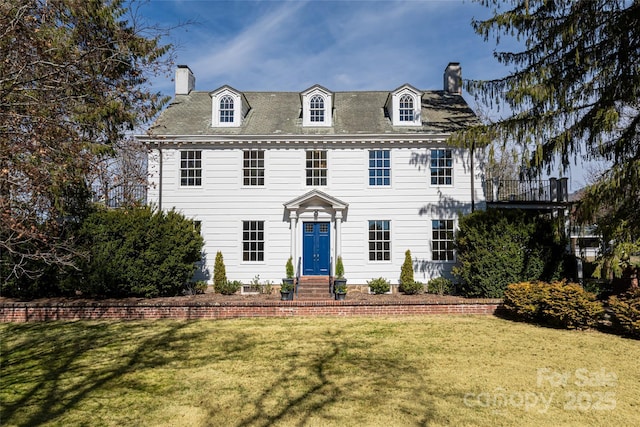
<point>625,310</point>
<point>558,304</point>
<point>495,248</point>
<point>138,252</point>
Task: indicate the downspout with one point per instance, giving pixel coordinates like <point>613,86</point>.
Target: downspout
<point>473,197</point>
<point>160,179</point>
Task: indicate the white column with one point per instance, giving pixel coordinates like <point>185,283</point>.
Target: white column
<point>338,234</point>
<point>294,225</point>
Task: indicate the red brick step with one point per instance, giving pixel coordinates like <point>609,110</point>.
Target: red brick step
<point>313,287</point>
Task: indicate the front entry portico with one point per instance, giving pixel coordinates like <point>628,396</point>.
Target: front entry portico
<point>315,219</point>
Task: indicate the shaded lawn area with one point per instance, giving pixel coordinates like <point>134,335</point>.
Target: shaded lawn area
<point>432,370</point>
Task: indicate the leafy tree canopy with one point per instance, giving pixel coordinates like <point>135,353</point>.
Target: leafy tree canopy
<point>574,91</point>
<point>73,80</point>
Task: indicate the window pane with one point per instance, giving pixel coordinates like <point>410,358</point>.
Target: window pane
<point>316,171</point>
<point>442,240</point>
<point>253,241</point>
<point>441,167</point>
<point>379,240</point>
<point>379,167</point>
<point>190,168</point>
<point>253,170</point>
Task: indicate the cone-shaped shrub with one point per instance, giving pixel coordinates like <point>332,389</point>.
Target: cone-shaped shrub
<point>219,272</point>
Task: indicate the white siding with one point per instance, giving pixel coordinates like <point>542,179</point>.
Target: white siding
<point>409,203</point>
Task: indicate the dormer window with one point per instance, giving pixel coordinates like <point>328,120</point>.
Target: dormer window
<point>316,107</point>
<point>228,107</point>
<point>404,106</point>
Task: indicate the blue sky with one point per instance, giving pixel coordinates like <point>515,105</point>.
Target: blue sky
<point>343,45</point>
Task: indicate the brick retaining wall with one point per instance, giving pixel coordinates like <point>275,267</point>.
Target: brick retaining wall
<point>35,312</point>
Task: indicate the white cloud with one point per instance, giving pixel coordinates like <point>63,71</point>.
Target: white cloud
<point>344,45</point>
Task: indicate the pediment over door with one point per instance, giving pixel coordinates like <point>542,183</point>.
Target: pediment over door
<point>316,199</point>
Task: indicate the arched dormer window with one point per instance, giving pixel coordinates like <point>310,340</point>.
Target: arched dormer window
<point>316,109</point>
<point>406,108</point>
<point>229,107</point>
<point>226,109</point>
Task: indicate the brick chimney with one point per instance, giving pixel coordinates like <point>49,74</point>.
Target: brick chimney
<point>453,78</point>
<point>185,80</point>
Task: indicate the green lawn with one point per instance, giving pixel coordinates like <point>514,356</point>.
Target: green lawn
<point>432,370</point>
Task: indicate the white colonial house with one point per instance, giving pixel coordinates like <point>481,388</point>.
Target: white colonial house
<point>315,175</point>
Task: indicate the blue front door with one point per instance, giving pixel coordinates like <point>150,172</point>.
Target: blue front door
<point>315,249</point>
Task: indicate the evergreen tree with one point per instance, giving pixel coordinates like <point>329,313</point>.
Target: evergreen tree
<point>73,81</point>
<point>574,91</point>
<point>406,271</point>
<point>219,271</point>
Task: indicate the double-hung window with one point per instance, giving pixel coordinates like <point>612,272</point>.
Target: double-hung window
<point>253,241</point>
<point>191,168</point>
<point>442,240</point>
<point>316,167</point>
<point>253,167</point>
<point>316,109</point>
<point>406,108</point>
<point>441,167</point>
<point>226,109</point>
<point>379,240</point>
<point>379,168</point>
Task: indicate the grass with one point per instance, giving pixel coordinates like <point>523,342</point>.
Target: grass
<point>437,370</point>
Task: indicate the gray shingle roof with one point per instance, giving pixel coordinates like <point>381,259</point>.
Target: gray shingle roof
<point>279,113</point>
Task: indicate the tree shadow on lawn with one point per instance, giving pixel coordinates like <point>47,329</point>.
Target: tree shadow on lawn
<point>327,389</point>
<point>59,365</point>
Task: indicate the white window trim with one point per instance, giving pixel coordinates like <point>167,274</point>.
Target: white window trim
<point>241,240</point>
<point>367,254</point>
<point>453,168</point>
<point>455,228</point>
<point>237,109</point>
<point>242,168</point>
<point>202,171</point>
<point>327,170</point>
<point>306,108</point>
<point>367,168</point>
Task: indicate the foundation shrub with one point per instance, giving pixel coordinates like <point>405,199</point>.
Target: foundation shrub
<point>228,287</point>
<point>625,310</point>
<point>412,288</point>
<point>407,284</point>
<point>406,271</point>
<point>219,272</point>
<point>379,286</point>
<point>559,304</point>
<point>439,285</point>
